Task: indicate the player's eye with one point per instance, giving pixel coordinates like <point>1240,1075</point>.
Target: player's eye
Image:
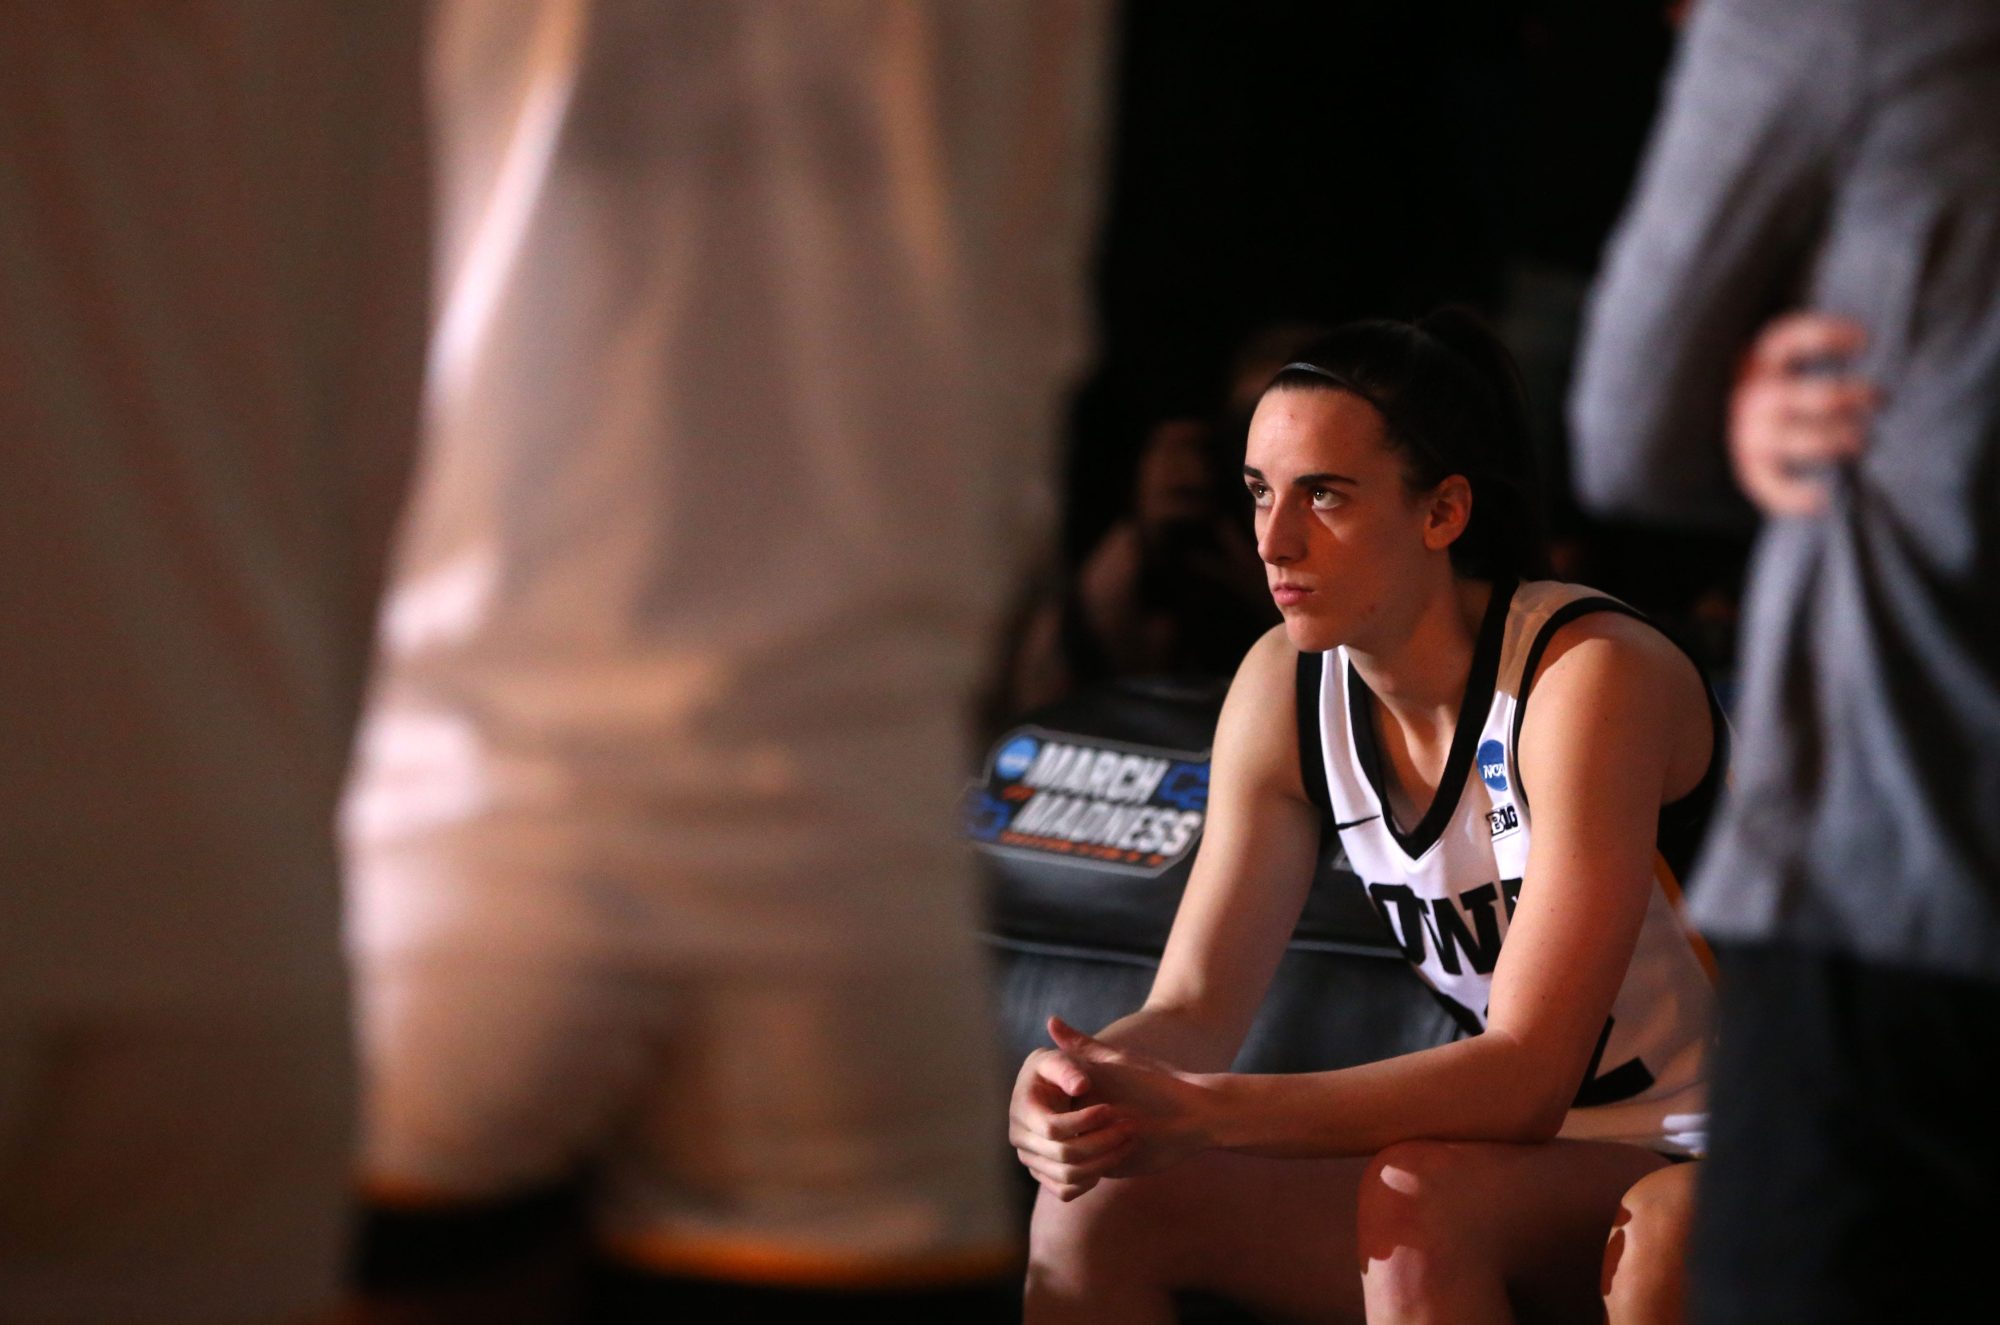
<point>1325,498</point>
<point>1260,493</point>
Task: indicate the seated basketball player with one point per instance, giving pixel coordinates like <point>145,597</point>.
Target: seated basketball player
<point>1518,770</point>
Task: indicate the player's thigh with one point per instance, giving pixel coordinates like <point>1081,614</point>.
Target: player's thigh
<point>1536,1215</point>
<point>1276,1235</point>
<point>1645,1258</point>
<point>175,1167</point>
<point>840,1126</point>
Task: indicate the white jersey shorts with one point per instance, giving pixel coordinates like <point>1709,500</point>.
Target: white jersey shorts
<point>803,1127</point>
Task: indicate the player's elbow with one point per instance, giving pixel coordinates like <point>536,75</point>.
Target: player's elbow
<point>1523,1113</point>
<point>1533,1095</point>
<point>1539,1116</point>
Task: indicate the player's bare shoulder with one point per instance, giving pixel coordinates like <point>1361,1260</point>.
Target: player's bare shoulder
<point>1611,662</point>
<point>1257,739</point>
<point>1615,645</point>
<point>1272,660</point>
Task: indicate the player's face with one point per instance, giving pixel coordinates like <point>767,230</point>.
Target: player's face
<point>1344,540</point>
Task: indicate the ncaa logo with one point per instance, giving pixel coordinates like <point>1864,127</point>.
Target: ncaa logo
<point>1492,758</point>
<point>1015,756</point>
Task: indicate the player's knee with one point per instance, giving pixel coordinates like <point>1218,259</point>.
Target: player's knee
<point>1104,1232</point>
<point>1413,1224</point>
<point>1066,1239</point>
<point>1645,1258</point>
<point>1413,1194</point>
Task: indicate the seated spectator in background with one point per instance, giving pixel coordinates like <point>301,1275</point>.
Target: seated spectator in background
<point>1173,587</point>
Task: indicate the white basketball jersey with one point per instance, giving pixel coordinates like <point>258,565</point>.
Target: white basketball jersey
<point>1447,888</point>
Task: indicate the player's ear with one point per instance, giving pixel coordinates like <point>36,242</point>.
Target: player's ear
<point>1448,511</point>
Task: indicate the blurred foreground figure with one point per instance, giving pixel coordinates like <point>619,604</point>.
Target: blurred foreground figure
<point>753,321</point>
<point>1846,156</point>
<point>213,222</point>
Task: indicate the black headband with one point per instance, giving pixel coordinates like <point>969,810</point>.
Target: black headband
<point>1344,383</point>
<point>1391,419</point>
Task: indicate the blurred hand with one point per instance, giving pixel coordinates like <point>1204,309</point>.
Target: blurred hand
<point>1797,413</point>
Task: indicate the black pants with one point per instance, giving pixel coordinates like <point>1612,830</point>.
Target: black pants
<point>1854,1169</point>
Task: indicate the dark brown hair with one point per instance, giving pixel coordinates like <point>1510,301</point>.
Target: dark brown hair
<point>1451,402</point>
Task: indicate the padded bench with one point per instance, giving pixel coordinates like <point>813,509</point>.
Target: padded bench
<point>1086,823</point>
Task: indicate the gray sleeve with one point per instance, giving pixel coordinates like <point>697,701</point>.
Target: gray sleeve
<point>1713,241</point>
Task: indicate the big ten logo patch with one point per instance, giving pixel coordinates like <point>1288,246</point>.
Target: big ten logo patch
<point>1129,807</point>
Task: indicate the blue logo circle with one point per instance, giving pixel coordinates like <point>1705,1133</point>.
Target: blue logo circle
<point>1015,756</point>
<point>1492,758</point>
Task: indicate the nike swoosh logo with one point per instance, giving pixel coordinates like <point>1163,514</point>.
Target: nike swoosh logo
<point>1356,823</point>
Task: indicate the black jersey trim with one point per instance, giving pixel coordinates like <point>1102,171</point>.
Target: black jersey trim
<point>1682,822</point>
<point>1562,616</point>
<point>1312,751</point>
<point>1472,711</point>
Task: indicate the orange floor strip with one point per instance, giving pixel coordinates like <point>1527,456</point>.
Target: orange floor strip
<point>764,1263</point>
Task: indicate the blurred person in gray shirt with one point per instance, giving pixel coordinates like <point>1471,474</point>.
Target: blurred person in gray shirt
<point>1844,159</point>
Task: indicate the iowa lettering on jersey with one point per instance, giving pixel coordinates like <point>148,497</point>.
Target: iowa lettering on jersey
<point>1463,934</point>
<point>1469,934</point>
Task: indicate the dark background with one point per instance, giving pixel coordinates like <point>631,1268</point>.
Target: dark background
<point>1300,164</point>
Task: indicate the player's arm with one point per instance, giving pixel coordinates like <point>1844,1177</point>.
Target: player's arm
<point>1617,725</point>
<point>1249,881</point>
<point>1243,897</point>
<point>1600,748</point>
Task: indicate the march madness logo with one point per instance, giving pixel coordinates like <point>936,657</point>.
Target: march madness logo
<point>1129,807</point>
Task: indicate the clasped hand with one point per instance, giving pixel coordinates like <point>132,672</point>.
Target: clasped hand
<point>1086,1110</point>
